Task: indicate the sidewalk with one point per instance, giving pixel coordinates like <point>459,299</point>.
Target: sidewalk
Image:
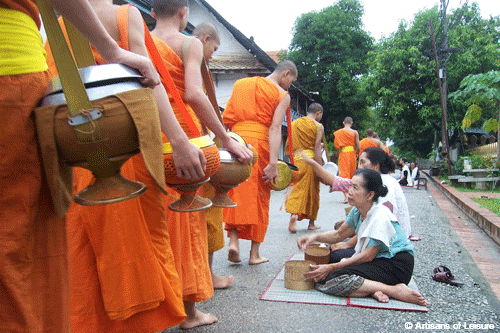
<point>485,252</point>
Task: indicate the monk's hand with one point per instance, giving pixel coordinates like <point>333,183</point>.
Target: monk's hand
<point>189,161</point>
<point>142,64</point>
<point>270,173</point>
<point>318,272</point>
<point>244,154</point>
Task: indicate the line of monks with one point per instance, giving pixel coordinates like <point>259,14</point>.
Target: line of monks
<point>134,266</point>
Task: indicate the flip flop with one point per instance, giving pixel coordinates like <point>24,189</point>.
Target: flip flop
<point>443,274</point>
<point>414,238</point>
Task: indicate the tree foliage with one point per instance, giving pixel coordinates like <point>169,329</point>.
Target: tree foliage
<point>402,85</point>
<point>330,49</point>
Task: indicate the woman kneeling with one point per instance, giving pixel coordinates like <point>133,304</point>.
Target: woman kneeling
<point>382,265</point>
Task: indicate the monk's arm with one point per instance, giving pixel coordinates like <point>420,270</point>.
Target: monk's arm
<point>201,105</point>
<point>357,147</point>
<point>317,145</point>
<point>93,30</point>
<point>270,171</point>
<point>188,159</point>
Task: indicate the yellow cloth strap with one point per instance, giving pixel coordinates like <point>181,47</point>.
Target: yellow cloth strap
<point>251,129</point>
<point>21,45</point>
<point>347,149</point>
<point>200,142</point>
<point>308,152</point>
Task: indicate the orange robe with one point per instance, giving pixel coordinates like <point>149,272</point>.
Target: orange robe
<point>365,143</point>
<point>122,270</point>
<point>345,142</point>
<point>249,112</point>
<point>213,216</point>
<point>188,231</point>
<point>34,289</point>
<point>304,198</point>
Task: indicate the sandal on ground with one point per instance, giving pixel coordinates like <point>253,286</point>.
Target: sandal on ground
<point>414,238</point>
<point>443,274</point>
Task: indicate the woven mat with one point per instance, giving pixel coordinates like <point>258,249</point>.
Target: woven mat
<point>277,292</point>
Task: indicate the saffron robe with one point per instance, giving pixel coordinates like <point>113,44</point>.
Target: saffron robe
<point>304,197</point>
<point>188,231</point>
<point>249,113</point>
<point>347,159</point>
<point>122,271</point>
<point>34,285</point>
<point>365,143</point>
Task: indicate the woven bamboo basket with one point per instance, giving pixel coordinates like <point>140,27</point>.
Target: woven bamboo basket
<point>294,274</point>
<point>318,254</point>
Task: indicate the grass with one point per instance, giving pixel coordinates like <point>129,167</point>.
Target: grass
<point>491,204</point>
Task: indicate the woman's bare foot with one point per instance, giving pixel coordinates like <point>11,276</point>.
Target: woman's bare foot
<point>406,294</point>
<point>222,282</point>
<point>292,226</point>
<point>234,254</point>
<point>199,319</point>
<point>381,297</point>
<point>257,260</point>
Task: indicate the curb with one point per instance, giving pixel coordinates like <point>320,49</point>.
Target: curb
<point>484,218</point>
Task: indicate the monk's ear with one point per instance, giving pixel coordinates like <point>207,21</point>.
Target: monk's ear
<point>184,11</point>
<point>153,14</point>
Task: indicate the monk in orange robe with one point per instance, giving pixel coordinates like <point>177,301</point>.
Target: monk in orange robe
<point>207,33</point>
<point>255,111</point>
<point>369,141</point>
<point>307,135</point>
<point>121,264</point>
<point>183,57</point>
<point>347,144</point>
<point>33,254</point>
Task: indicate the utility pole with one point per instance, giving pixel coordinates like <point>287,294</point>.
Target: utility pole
<point>441,76</point>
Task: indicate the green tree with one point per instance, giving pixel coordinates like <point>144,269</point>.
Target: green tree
<point>330,48</point>
<point>481,91</point>
<point>402,86</point>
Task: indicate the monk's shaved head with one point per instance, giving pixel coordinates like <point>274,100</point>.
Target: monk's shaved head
<point>314,107</point>
<point>287,65</point>
<point>206,28</point>
<point>347,120</point>
<point>168,8</point>
<point>369,132</point>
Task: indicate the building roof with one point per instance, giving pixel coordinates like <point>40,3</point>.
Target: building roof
<point>236,63</point>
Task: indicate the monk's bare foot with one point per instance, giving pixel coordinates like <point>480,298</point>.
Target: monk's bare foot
<point>313,227</point>
<point>258,260</point>
<point>233,255</point>
<point>406,294</point>
<point>199,319</point>
<point>222,282</point>
<point>292,226</point>
<point>381,297</point>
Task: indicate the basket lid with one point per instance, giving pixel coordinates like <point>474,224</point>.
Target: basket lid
<point>99,75</point>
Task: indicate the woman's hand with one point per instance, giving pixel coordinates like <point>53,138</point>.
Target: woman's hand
<point>339,246</point>
<point>319,272</point>
<point>304,241</point>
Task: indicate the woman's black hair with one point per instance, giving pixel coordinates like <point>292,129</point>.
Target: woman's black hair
<point>372,182</point>
<point>378,156</point>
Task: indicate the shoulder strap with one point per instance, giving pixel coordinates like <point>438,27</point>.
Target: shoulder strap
<point>169,83</point>
<point>122,21</point>
<point>289,130</point>
<point>209,86</point>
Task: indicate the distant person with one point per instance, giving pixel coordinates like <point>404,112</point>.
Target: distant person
<point>347,144</point>
<point>383,262</point>
<point>415,172</point>
<point>405,179</point>
<point>369,141</point>
<point>307,135</point>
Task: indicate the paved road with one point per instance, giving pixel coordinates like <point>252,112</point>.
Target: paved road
<point>240,310</point>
